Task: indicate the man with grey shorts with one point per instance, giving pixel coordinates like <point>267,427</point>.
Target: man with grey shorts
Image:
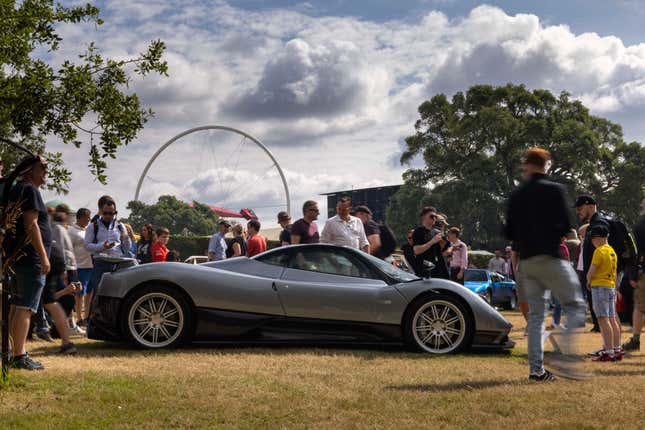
<point>538,217</point>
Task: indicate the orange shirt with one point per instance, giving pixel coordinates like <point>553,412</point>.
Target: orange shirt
<point>159,252</point>
<point>255,245</point>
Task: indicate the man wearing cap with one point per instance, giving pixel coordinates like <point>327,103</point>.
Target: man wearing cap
<point>30,243</point>
<point>537,219</point>
<point>372,229</point>
<point>587,212</point>
<point>217,243</point>
<point>284,219</point>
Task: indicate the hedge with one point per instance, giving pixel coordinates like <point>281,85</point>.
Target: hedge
<point>198,245</point>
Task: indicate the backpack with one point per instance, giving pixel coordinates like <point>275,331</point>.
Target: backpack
<point>388,241</point>
<point>622,240</point>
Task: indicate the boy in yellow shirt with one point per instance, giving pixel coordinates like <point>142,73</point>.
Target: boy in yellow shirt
<point>601,281</point>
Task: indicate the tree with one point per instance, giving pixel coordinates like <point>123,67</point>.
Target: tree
<point>175,215</point>
<point>471,147</point>
<point>38,102</point>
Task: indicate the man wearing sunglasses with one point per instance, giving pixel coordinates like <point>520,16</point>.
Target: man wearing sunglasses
<point>427,248</point>
<point>305,229</point>
<point>105,236</point>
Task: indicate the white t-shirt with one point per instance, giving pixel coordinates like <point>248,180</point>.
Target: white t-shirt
<point>83,256</point>
<point>344,233</point>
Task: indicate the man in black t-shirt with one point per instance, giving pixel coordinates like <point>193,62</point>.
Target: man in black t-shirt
<point>426,246</point>
<point>284,219</point>
<point>27,247</point>
<point>372,229</point>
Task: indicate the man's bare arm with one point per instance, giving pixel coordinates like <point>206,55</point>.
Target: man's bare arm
<point>33,232</point>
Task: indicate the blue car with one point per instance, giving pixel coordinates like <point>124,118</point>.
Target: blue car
<point>492,287</point>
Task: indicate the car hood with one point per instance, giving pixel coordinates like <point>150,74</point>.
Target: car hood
<point>476,287</point>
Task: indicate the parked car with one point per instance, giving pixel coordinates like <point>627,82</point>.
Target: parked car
<point>316,293</point>
<point>493,287</point>
<point>196,259</point>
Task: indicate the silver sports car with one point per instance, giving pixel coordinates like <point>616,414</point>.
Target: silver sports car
<point>301,294</point>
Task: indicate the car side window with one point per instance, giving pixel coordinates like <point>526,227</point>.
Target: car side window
<point>275,258</point>
<point>324,261</point>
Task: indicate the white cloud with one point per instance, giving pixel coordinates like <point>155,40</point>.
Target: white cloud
<point>333,96</point>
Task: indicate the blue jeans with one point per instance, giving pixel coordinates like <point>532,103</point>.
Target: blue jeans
<point>539,274</point>
<point>97,273</point>
<point>557,311</point>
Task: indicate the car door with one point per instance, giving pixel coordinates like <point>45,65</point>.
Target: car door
<point>331,284</point>
<point>496,280</point>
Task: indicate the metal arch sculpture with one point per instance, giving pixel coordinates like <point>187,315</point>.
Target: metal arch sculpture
<point>216,127</point>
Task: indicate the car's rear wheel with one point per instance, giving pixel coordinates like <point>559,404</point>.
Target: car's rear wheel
<point>439,324</point>
<point>156,317</point>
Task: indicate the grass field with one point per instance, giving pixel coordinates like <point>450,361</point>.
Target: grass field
<point>108,386</point>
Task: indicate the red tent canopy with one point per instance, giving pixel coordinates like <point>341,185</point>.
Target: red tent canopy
<point>222,212</point>
<point>225,213</point>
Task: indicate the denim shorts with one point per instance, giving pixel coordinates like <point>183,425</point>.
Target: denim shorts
<point>27,288</point>
<point>604,301</point>
<point>84,277</point>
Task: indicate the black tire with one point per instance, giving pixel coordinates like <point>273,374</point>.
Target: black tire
<point>511,305</point>
<point>170,316</point>
<point>434,331</point>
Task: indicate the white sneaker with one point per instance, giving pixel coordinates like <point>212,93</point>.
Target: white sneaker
<point>560,327</point>
<point>77,331</point>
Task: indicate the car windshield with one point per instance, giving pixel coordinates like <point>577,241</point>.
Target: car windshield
<point>475,276</point>
<point>392,271</point>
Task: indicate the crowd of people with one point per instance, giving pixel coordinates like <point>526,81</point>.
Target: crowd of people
<point>58,264</point>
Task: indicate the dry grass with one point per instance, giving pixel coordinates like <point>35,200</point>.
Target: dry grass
<point>107,386</point>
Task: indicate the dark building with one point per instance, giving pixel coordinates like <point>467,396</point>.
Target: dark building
<point>376,199</point>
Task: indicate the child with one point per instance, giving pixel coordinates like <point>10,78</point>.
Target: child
<point>159,249</point>
<point>601,281</point>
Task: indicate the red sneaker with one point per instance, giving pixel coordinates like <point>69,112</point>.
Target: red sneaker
<point>603,357</point>
<point>618,356</point>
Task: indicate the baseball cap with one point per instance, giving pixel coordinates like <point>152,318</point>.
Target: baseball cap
<point>224,222</point>
<point>362,209</point>
<point>584,200</point>
<point>283,216</point>
<point>599,231</point>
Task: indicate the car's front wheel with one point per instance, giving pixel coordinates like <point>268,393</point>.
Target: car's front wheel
<point>439,324</point>
<point>156,317</point>
<point>511,305</point>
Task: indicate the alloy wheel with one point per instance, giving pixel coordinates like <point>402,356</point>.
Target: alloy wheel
<point>156,320</point>
<point>439,327</point>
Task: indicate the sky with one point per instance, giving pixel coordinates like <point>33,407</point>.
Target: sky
<point>332,87</point>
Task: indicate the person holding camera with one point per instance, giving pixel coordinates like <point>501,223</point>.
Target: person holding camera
<point>105,236</point>
<point>427,247</point>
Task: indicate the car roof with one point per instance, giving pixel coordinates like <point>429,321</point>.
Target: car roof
<point>328,246</point>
